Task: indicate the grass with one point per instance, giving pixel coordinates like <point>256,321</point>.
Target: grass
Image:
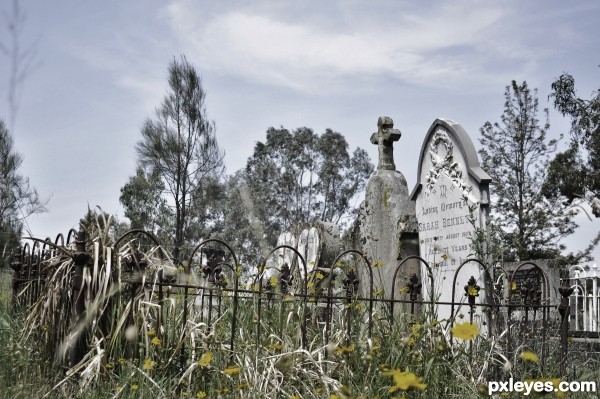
<point>142,346</point>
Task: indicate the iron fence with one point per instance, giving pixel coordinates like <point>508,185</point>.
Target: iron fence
<point>320,303</point>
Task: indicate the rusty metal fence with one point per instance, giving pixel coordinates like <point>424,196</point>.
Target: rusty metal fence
<point>212,289</point>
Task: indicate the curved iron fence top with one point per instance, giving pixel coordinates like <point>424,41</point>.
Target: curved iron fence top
<point>365,260</point>
<point>70,235</point>
<point>218,241</point>
<point>417,257</point>
<point>546,283</point>
<point>482,267</point>
<point>261,273</point>
<point>60,237</point>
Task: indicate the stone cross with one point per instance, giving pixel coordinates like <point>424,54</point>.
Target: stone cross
<point>384,138</point>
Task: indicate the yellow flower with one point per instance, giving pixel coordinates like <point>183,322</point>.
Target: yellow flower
<point>404,290</point>
<point>222,390</point>
<point>134,387</point>
<point>149,364</point>
<point>201,394</point>
<point>513,286</point>
<point>276,346</point>
<point>155,341</point>
<point>231,370</point>
<point>273,281</point>
<point>205,359</point>
<point>405,380</point>
<point>319,276</point>
<point>377,293</point>
<point>340,350</point>
<point>378,264</point>
<point>151,333</point>
<point>472,291</point>
<point>529,356</point>
<point>255,287</point>
<point>294,397</point>
<point>122,361</point>
<point>466,331</point>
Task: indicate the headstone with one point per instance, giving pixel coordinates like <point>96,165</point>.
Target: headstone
<point>385,229</point>
<point>452,198</point>
<point>318,243</point>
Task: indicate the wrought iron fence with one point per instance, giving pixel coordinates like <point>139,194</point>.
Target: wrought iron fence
<point>211,288</point>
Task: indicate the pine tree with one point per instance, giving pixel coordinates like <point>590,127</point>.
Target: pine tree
<point>516,154</point>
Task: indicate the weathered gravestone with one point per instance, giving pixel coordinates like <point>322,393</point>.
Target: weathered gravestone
<point>317,242</point>
<point>452,201</point>
<point>385,229</point>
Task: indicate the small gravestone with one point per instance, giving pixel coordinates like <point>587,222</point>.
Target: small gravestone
<point>452,198</point>
<point>318,243</point>
<point>385,229</point>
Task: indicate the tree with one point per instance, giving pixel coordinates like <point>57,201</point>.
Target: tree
<point>298,177</point>
<point>179,145</point>
<point>575,173</point>
<point>144,204</point>
<point>18,199</point>
<point>516,154</point>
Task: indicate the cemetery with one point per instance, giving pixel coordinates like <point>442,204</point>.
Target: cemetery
<point>409,304</point>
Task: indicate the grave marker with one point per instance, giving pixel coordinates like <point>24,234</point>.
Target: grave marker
<point>452,199</point>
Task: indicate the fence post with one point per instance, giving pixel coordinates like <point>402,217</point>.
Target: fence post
<point>80,259</point>
<point>17,266</point>
<point>564,310</point>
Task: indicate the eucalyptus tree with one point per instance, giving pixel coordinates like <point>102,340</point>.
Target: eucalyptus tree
<point>298,177</point>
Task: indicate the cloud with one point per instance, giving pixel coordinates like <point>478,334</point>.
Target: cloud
<point>426,46</point>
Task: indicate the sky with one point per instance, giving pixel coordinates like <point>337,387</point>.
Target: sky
<point>100,70</point>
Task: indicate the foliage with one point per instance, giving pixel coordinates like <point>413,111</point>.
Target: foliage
<point>178,146</point>
<point>575,173</point>
<point>142,344</point>
<point>298,177</point>
<point>516,154</point>
<point>143,203</point>
<point>18,199</point>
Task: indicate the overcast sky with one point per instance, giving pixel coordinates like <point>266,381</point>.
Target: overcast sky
<point>101,70</point>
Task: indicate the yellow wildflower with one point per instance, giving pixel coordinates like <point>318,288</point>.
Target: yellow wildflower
<point>155,341</point>
<point>473,291</point>
<point>205,359</point>
<point>273,281</point>
<point>529,356</point>
<point>319,276</point>
<point>149,364</point>
<point>466,331</point>
<point>294,397</point>
<point>405,380</point>
<point>513,286</point>
<point>151,333</point>
<point>122,361</point>
<point>377,293</point>
<point>378,264</point>
<point>134,387</point>
<point>340,350</point>
<point>222,390</point>
<point>276,346</point>
<point>201,394</point>
<point>231,370</point>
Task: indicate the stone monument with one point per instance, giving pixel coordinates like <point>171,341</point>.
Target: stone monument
<point>452,201</point>
<point>386,228</point>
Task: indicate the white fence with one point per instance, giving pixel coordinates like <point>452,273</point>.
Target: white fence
<point>585,299</point>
